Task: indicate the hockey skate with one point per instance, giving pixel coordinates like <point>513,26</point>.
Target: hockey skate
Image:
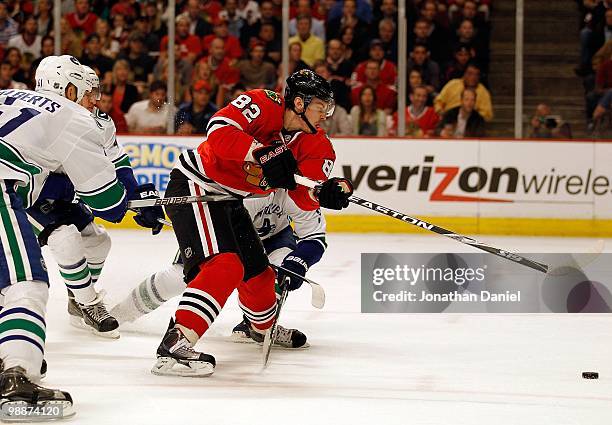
<point>93,316</point>
<point>176,357</point>
<point>291,339</point>
<point>23,401</point>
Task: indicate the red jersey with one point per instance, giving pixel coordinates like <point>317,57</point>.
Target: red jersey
<point>421,125</point>
<point>87,24</point>
<point>189,44</point>
<point>388,73</point>
<point>232,47</point>
<point>224,162</point>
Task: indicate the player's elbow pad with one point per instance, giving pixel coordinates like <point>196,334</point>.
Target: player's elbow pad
<point>127,179</point>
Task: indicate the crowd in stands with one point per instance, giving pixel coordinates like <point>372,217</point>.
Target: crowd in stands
<point>595,66</point>
<point>224,47</point>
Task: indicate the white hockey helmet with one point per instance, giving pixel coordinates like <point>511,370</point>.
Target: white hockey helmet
<point>54,73</point>
<point>93,82</point>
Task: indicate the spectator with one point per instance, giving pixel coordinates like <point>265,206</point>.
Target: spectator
<point>105,104</point>
<point>450,96</point>
<point>72,44</point>
<point>193,117</point>
<point>198,26</point>
<point>6,78</point>
<point>272,45</point>
<point>594,35</point>
<point>109,47</point>
<point>348,40</point>
<point>44,17</point>
<point>388,37</point>
<point>231,44</point>
<point>469,11</point>
<point>386,95</point>
<point>546,126</point>
<point>467,35</point>
<point>82,21</point>
<point>386,10</point>
<point>267,17</point>
<point>350,19</point>
<point>430,71</point>
<point>602,117</point>
<point>94,58</point>
<point>221,66</point>
<point>124,93</point>
<point>254,72</point>
<point>248,11</point>
<point>230,15</point>
<point>8,27</point>
<point>190,46</point>
<point>295,58</point>
<point>415,79</point>
<point>463,121</point>
<point>388,70</point>
<point>363,10</point>
<point>150,116</point>
<point>421,120</point>
<point>182,79</point>
<point>313,48</point>
<point>158,26</point>
<point>338,123</point>
<point>18,68</point>
<point>47,47</point>
<point>366,118</point>
<point>120,30</point>
<point>140,62</point>
<point>437,34</point>
<point>340,68</point>
<point>461,57</point>
<point>304,8</point>
<point>29,41</point>
<point>124,8</point>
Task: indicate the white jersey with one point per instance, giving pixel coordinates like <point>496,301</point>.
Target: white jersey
<point>42,132</point>
<point>113,150</point>
<point>273,213</point>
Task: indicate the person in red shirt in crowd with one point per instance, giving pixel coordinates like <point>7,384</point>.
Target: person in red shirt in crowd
<point>252,147</point>
<point>421,120</point>
<point>231,43</point>
<point>125,8</point>
<point>386,96</point>
<point>105,104</point>
<point>221,65</point>
<point>388,70</point>
<point>82,20</point>
<point>190,45</point>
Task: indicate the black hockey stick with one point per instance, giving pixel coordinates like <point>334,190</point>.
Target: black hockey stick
<point>318,294</point>
<point>271,333</point>
<point>544,268</point>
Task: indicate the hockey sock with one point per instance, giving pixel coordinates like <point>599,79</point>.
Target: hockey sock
<point>97,244</point>
<point>150,294</point>
<point>67,247</point>
<point>257,299</point>
<point>22,326</point>
<point>207,293</point>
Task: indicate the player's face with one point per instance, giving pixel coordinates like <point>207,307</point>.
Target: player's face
<point>318,111</point>
<point>88,102</point>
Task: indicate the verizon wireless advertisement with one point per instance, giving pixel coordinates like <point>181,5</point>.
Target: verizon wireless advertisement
<point>467,178</point>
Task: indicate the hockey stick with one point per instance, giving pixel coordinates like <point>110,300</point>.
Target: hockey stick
<point>541,267</point>
<point>178,200</point>
<point>271,332</point>
<point>318,294</point>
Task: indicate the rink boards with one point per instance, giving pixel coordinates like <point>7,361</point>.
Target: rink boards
<point>471,186</point>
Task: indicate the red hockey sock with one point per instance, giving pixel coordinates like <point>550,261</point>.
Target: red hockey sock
<point>257,299</point>
<point>207,293</point>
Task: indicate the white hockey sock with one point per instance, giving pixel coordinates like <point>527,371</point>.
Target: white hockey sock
<point>97,244</point>
<point>150,294</point>
<point>22,326</point>
<point>67,247</point>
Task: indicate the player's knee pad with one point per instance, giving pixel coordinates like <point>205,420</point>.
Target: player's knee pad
<point>66,245</point>
<point>169,281</point>
<point>29,294</point>
<point>96,241</point>
<point>220,275</point>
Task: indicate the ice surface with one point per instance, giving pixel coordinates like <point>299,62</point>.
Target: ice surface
<point>361,368</point>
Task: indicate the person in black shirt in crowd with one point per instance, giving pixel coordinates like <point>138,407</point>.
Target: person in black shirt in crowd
<point>193,117</point>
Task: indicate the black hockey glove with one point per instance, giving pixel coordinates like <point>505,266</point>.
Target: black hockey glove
<point>148,216</point>
<point>335,193</point>
<point>296,265</point>
<point>278,166</point>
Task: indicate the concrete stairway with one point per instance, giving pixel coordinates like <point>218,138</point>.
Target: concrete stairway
<point>551,53</point>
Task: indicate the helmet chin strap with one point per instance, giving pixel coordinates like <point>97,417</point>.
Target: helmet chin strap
<point>312,128</point>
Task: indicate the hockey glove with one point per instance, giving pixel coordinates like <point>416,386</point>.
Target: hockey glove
<point>278,166</point>
<point>148,216</point>
<point>296,265</point>
<point>335,193</point>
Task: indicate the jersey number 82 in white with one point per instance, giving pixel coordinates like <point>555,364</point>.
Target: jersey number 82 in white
<point>249,110</point>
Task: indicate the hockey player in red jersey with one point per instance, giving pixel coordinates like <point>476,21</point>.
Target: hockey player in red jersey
<point>248,151</point>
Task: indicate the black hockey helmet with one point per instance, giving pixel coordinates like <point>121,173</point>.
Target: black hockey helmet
<point>308,85</point>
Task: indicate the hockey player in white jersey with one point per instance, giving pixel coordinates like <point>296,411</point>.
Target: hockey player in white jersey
<point>42,131</point>
<point>79,245</point>
<point>295,249</point>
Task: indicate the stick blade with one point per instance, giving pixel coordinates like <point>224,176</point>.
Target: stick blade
<point>318,295</point>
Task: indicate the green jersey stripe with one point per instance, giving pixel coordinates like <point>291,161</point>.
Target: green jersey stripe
<point>122,162</point>
<point>12,156</point>
<point>8,229</point>
<point>107,199</point>
<point>22,324</point>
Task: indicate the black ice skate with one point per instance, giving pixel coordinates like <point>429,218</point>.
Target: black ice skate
<point>93,316</point>
<point>43,368</point>
<point>23,401</point>
<point>176,357</point>
<point>285,338</point>
<point>241,332</point>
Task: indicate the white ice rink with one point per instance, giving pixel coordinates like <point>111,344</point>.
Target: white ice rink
<point>360,369</point>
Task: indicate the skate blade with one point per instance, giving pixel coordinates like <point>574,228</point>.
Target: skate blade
<point>241,338</point>
<point>167,366</point>
<point>22,412</point>
<point>278,346</point>
<point>79,322</point>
